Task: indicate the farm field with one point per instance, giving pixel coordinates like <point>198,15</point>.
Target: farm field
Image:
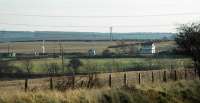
<point>70,47</point>
<point>125,80</point>
<point>100,64</point>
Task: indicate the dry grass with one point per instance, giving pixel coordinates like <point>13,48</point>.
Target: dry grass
<point>100,80</point>
<point>171,92</point>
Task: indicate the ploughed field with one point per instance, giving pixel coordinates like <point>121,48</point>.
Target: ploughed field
<point>70,46</point>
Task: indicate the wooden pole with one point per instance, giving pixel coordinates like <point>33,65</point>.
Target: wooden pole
<point>109,80</point>
<point>73,81</point>
<point>139,78</point>
<point>165,77</point>
<point>63,68</point>
<point>152,77</point>
<point>51,83</point>
<point>125,80</point>
<point>185,74</point>
<point>175,75</point>
<point>26,84</point>
<point>111,37</point>
<point>195,73</point>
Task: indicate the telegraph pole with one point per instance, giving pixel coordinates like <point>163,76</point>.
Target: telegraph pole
<point>62,55</point>
<point>63,60</point>
<point>111,37</point>
<point>8,47</point>
<point>60,47</point>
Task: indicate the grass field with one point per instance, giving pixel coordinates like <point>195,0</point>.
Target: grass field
<point>117,64</point>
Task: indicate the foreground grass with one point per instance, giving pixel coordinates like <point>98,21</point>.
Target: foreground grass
<point>171,92</point>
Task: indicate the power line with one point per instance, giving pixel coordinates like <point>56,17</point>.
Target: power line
<point>116,16</point>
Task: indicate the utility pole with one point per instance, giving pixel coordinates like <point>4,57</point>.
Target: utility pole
<point>111,37</point>
<point>62,55</point>
<point>63,60</point>
<point>8,47</point>
<point>60,47</point>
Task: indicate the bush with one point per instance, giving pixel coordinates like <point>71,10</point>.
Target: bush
<point>107,53</point>
<point>75,63</point>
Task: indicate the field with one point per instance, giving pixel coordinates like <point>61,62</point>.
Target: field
<point>69,47</point>
<point>28,47</point>
<point>109,64</point>
<point>98,65</point>
<point>166,79</point>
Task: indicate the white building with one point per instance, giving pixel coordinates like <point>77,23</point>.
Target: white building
<point>147,48</point>
<point>91,52</point>
<point>43,47</point>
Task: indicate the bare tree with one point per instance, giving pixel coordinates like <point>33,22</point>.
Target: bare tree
<point>75,63</point>
<point>52,68</point>
<point>27,65</point>
<point>188,39</point>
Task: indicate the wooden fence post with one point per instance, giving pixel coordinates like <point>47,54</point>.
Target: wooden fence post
<point>139,78</point>
<point>165,77</point>
<point>26,84</point>
<point>109,80</point>
<point>185,74</point>
<point>152,77</point>
<point>51,83</point>
<point>90,81</point>
<point>175,75</point>
<point>195,73</point>
<point>73,81</point>
<point>82,82</point>
<point>125,80</point>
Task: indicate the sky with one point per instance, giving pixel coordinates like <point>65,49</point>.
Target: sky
<point>97,15</point>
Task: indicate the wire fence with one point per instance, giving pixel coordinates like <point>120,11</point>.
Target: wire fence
<point>118,79</point>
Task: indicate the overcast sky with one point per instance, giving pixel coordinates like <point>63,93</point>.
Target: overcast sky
<point>146,15</point>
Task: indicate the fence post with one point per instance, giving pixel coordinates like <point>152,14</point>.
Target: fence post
<point>139,78</point>
<point>109,80</point>
<point>26,84</point>
<point>165,77</point>
<point>195,73</point>
<point>152,77</point>
<point>185,74</point>
<point>73,81</point>
<point>51,83</point>
<point>125,80</point>
<point>175,75</point>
